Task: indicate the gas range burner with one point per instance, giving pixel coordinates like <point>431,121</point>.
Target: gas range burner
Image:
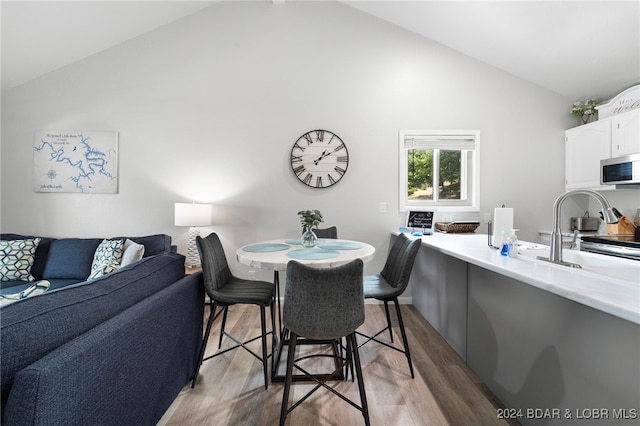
<point>626,246</point>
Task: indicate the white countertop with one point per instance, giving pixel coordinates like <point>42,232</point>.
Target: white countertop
<point>606,283</point>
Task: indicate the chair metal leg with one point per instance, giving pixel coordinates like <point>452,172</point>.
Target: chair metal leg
<point>352,344</point>
<point>276,283</point>
<point>405,342</point>
<point>289,374</point>
<point>352,356</point>
<point>404,336</point>
<point>265,360</point>
<point>204,342</point>
<point>224,322</point>
<point>386,311</point>
<point>274,338</point>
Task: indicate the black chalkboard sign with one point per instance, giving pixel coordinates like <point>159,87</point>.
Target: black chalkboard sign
<point>421,219</point>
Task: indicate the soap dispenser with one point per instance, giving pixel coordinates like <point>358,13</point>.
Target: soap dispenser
<point>512,242</point>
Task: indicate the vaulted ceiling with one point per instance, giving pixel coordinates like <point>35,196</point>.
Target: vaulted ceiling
<point>579,49</point>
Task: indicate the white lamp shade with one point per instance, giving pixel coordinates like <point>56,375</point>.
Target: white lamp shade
<point>191,214</point>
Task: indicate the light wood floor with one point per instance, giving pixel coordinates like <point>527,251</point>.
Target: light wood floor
<point>230,388</point>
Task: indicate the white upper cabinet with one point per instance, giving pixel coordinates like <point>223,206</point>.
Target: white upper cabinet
<point>616,133</point>
<point>625,133</point>
<point>585,146</point>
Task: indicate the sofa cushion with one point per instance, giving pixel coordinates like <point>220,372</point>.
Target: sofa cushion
<point>16,259</point>
<point>33,327</point>
<point>106,258</point>
<point>70,258</point>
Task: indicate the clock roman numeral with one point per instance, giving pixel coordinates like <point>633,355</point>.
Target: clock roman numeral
<point>296,158</point>
<point>340,170</point>
<point>319,182</point>
<point>297,145</point>
<point>339,147</point>
<point>319,135</point>
<point>307,178</point>
<point>331,179</point>
<point>307,136</point>
<point>343,159</point>
<point>298,170</point>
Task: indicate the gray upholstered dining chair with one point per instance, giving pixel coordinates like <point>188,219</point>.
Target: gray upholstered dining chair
<point>323,305</point>
<point>331,232</point>
<point>224,290</point>
<point>391,282</point>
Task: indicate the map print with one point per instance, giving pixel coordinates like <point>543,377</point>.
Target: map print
<point>75,161</point>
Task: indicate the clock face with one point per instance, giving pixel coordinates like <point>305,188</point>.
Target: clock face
<point>319,158</point>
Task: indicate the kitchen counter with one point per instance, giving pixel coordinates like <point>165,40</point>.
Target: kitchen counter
<point>539,335</point>
<point>612,285</point>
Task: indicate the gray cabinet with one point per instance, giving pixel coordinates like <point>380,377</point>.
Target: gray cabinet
<point>545,357</point>
<point>535,349</point>
<point>439,293</point>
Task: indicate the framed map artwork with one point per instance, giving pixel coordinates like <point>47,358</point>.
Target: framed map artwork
<point>75,161</point>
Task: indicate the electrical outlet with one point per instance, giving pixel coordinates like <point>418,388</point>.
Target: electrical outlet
<point>252,275</point>
<point>447,218</point>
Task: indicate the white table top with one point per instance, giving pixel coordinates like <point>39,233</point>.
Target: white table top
<point>277,260</point>
<point>606,283</point>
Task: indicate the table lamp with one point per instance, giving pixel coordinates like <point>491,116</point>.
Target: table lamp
<point>193,215</point>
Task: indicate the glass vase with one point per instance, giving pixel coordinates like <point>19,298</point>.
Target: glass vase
<point>309,238</point>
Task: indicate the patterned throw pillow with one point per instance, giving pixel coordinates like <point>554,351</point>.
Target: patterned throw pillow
<point>16,259</point>
<point>106,258</point>
<point>33,290</point>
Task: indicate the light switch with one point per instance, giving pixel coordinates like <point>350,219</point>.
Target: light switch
<point>383,207</point>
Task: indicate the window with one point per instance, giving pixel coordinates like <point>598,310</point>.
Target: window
<point>440,169</point>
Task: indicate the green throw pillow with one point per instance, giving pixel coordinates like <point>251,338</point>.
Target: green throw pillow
<point>16,259</point>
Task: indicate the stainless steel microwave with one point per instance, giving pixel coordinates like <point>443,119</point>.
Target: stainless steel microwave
<point>620,170</point>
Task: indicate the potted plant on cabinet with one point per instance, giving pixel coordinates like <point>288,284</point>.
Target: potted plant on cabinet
<point>586,112</point>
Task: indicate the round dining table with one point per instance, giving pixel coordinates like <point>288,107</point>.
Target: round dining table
<point>274,255</point>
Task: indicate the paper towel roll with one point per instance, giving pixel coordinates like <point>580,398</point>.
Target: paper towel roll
<point>502,219</point>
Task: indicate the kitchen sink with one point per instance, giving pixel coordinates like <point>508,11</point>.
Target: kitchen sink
<point>599,264</point>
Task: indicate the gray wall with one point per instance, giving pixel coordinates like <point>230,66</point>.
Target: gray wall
<point>207,109</point>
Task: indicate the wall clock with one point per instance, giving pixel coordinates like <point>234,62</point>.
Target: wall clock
<point>319,158</point>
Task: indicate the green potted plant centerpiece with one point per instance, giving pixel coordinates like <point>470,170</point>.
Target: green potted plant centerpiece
<point>309,219</point>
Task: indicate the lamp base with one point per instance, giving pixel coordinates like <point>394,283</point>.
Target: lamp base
<point>193,257</point>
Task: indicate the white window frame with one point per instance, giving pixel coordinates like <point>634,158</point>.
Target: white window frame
<point>468,140</point>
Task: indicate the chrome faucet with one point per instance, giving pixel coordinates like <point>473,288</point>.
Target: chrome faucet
<point>555,250</point>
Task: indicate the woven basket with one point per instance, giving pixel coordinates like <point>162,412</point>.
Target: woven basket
<point>456,228</point>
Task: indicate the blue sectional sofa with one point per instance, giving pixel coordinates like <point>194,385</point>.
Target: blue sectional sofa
<point>115,350</point>
<point>65,261</point>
